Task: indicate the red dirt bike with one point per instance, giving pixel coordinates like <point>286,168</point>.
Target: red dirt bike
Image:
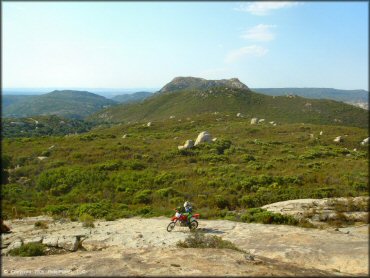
<point>181,219</point>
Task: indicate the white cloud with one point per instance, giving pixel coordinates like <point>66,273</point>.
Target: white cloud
<point>244,52</point>
<point>261,32</point>
<point>264,8</point>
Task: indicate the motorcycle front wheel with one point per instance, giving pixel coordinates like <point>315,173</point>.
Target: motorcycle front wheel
<point>171,226</point>
<point>193,225</point>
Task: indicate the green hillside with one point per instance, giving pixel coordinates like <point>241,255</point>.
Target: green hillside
<point>191,103</point>
<point>42,126</point>
<point>67,103</point>
<point>319,93</point>
<point>107,176</point>
<point>7,100</point>
<point>134,97</point>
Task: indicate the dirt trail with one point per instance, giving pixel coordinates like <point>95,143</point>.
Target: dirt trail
<point>139,246</point>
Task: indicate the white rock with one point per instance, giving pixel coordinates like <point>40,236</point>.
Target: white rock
<point>321,132</point>
<point>51,147</point>
<point>272,122</point>
<point>69,243</point>
<point>149,124</point>
<point>189,144</point>
<point>338,139</point>
<point>50,241</point>
<point>365,141</point>
<point>15,244</point>
<point>33,240</point>
<point>311,135</point>
<point>124,136</point>
<point>42,157</point>
<point>239,115</point>
<point>355,150</point>
<point>214,139</point>
<point>203,137</point>
<point>172,117</point>
<point>261,121</point>
<point>254,121</point>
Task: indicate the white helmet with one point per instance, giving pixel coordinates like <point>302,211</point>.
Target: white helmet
<point>187,204</point>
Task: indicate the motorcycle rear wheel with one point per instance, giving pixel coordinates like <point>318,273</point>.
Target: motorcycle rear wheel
<point>171,226</point>
<point>193,225</point>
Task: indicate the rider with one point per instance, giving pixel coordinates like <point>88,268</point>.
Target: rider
<point>188,210</point>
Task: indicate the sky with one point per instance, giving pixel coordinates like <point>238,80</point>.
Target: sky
<point>147,44</point>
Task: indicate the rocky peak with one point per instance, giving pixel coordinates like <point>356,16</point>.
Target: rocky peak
<point>179,83</point>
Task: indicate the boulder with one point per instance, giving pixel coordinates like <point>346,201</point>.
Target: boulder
<point>261,121</point>
<point>214,139</point>
<point>240,115</point>
<point>172,117</point>
<point>68,243</point>
<point>15,244</point>
<point>4,228</point>
<point>124,136</point>
<point>338,139</point>
<point>254,121</point>
<point>188,145</point>
<point>321,133</point>
<point>51,147</point>
<point>149,124</point>
<point>33,240</point>
<point>365,141</point>
<point>42,158</point>
<point>203,137</point>
<point>51,241</point>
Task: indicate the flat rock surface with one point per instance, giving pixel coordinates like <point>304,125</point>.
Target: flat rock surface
<point>142,246</point>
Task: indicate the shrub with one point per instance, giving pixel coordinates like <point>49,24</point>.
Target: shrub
<point>97,210</point>
<point>41,225</point>
<point>248,157</point>
<point>260,215</point>
<point>142,197</point>
<point>199,240</point>
<point>56,209</point>
<point>87,220</point>
<point>29,250</point>
<point>221,202</point>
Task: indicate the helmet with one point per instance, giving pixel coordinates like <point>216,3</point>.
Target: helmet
<point>187,204</point>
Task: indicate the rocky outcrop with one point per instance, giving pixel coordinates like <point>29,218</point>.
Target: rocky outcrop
<point>203,137</point>
<point>319,211</point>
<point>188,145</point>
<point>180,83</point>
<point>142,245</point>
<point>365,141</point>
<point>254,121</point>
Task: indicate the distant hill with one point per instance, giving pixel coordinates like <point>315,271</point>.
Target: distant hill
<point>179,83</point>
<point>355,97</point>
<point>129,98</point>
<point>7,100</point>
<point>42,126</point>
<point>189,102</point>
<point>66,103</point>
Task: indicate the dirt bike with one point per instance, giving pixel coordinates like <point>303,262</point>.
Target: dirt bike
<point>181,219</point>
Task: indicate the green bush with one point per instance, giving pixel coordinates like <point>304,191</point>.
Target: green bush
<point>97,210</point>
<point>199,240</point>
<point>142,197</point>
<point>87,220</point>
<point>260,215</point>
<point>29,250</point>
<point>41,225</point>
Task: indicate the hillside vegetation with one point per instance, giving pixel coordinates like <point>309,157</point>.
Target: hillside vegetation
<point>191,102</point>
<point>42,126</point>
<point>104,175</point>
<point>67,103</point>
<point>320,93</point>
<point>134,97</point>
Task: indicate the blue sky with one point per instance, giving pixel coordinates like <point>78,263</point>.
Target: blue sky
<point>147,44</point>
